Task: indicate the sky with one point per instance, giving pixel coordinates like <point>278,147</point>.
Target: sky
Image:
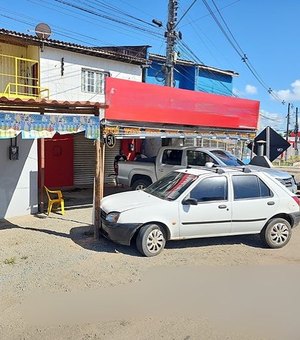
<point>262,32</point>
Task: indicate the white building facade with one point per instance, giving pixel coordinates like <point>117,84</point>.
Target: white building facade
<point>58,71</point>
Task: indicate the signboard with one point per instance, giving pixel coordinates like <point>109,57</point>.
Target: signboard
<point>139,102</point>
<point>33,126</point>
<point>110,140</point>
<point>277,143</point>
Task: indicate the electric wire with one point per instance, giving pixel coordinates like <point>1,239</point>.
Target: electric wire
<point>186,12</point>
<point>107,17</point>
<point>233,42</point>
<point>30,21</point>
<point>116,9</point>
<point>207,15</point>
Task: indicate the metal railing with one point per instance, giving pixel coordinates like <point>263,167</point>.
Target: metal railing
<point>19,78</point>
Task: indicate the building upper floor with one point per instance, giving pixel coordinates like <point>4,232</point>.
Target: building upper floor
<point>34,67</point>
<point>37,67</point>
<point>191,76</point>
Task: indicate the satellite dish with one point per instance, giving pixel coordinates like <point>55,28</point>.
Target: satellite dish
<point>42,31</point>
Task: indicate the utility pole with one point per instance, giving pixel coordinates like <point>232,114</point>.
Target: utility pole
<point>296,133</point>
<point>288,122</point>
<point>171,36</point>
<point>287,127</point>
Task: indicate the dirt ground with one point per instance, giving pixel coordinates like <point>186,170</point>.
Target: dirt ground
<point>57,282</point>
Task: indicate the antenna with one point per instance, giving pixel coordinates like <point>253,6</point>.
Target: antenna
<point>42,31</point>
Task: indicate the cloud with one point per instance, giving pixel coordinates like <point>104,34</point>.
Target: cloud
<point>291,94</point>
<point>250,89</point>
<point>273,119</point>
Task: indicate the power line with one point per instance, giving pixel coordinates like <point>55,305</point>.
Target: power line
<point>75,36</point>
<point>233,42</point>
<point>185,13</point>
<point>207,15</point>
<point>116,9</point>
<point>107,17</point>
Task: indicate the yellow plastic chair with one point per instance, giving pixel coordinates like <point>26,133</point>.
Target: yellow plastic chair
<point>55,197</point>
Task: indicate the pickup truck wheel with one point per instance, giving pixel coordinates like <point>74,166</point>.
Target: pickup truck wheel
<point>140,184</point>
<point>277,233</point>
<point>151,240</point>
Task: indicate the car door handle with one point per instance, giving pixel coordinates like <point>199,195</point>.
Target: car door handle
<point>271,203</point>
<point>222,206</point>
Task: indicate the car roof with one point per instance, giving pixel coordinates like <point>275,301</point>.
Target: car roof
<point>217,170</point>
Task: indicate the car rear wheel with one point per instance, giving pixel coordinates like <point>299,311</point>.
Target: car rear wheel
<point>277,233</point>
<point>151,240</point>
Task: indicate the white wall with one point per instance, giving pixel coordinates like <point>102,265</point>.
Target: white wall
<point>68,86</point>
<point>18,179</point>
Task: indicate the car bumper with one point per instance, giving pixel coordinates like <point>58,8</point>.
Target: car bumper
<point>121,233</point>
<point>296,219</point>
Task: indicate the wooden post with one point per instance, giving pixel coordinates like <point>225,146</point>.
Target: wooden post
<point>102,164</point>
<point>99,186</point>
<point>41,174</point>
<point>97,191</point>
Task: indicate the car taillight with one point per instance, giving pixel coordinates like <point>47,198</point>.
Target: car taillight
<point>296,199</point>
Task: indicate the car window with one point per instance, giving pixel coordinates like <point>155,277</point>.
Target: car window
<point>249,186</point>
<point>171,186</point>
<point>198,158</point>
<point>227,158</point>
<point>172,157</point>
<point>211,189</point>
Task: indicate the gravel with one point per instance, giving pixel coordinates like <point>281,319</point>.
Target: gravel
<point>58,282</point>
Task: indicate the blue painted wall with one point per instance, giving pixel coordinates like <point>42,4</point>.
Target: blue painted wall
<point>192,78</point>
<point>213,82</point>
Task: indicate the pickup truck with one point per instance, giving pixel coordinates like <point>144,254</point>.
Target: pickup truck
<point>140,174</point>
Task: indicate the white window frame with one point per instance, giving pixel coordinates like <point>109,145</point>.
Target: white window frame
<point>93,81</point>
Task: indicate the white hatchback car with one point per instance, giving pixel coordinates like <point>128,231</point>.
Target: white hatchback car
<point>196,203</point>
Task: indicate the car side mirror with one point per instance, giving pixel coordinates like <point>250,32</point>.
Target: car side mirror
<point>190,201</point>
<point>209,164</point>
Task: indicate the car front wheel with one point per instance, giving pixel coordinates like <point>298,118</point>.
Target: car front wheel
<point>277,233</point>
<point>151,240</point>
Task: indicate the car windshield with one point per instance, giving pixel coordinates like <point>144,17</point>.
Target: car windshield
<point>171,186</point>
<point>227,158</point>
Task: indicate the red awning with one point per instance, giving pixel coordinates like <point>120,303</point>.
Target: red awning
<point>140,102</point>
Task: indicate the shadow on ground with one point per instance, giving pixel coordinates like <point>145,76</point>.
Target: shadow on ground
<point>84,237</point>
<point>4,224</point>
<point>252,241</point>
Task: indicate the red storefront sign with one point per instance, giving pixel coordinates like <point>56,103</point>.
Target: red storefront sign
<point>140,102</point>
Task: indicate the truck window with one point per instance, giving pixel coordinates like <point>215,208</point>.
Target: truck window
<point>172,157</point>
<point>227,158</point>
<point>198,158</point>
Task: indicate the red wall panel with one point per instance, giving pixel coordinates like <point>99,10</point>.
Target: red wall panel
<point>59,156</point>
<point>140,102</point>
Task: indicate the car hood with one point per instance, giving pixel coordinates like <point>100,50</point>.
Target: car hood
<point>127,200</point>
<point>271,171</point>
